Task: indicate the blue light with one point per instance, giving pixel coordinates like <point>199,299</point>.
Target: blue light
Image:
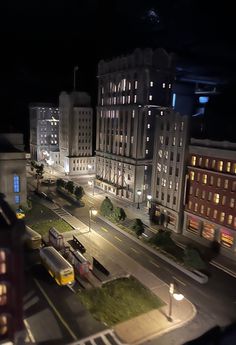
<point>173,100</point>
<point>17,199</point>
<point>16,184</point>
<point>203,99</point>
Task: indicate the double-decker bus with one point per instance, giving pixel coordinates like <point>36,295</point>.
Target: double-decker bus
<point>33,239</point>
<point>58,267</point>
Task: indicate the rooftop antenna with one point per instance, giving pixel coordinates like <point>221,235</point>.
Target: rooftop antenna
<point>75,69</point>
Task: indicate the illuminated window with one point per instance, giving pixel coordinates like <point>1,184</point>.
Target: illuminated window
<point>216,198</point>
<point>150,97</point>
<point>102,101</point>
<point>146,152</point>
<point>222,217</point>
<point>228,166</point>
<point>232,202</point>
<point>147,138</point>
<point>3,267</point>
<point>226,184</point>
<point>148,125</point>
<point>230,219</point>
<point>200,161</point>
<point>173,142</point>
<point>3,324</point>
<point>213,164</point>
<point>234,168</point>
<point>135,98</point>
<point>128,99</point>
<point>182,126</point>
<point>176,186</point>
<point>129,86</point>
<point>161,112</point>
<point>151,83</point>
<point>158,167</point>
<point>196,207</point>
<point>102,90</point>
<point>132,139</point>
<point>163,85</point>
<point>170,184</point>
<point>218,182</point>
<point>234,222</point>
<point>223,200</point>
<point>197,192</point>
<point>215,214</point>
<point>208,211</point>
<point>234,186</point>
<point>203,194</point>
<point>16,184</point>
<point>206,162</point>
<point>193,160</point>
<point>175,126</point>
<point>123,99</point>
<point>3,293</point>
<point>190,204</point>
<point>160,153</point>
<point>149,112</point>
<point>136,84</point>
<point>198,177</point>
<point>204,178</point>
<point>169,86</point>
<point>202,209</point>
<point>181,142</point>
<point>165,168</point>
<point>220,165</point>
<point>192,175</point>
<point>17,199</point>
<point>163,182</point>
<point>133,113</point>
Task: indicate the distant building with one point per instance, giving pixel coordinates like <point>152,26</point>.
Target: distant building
<point>13,169</point>
<point>168,173</point>
<point>76,133</point>
<point>130,90</point>
<point>44,132</point>
<point>11,276</point>
<point>210,201</point>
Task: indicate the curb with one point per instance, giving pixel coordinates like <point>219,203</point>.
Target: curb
<point>223,268</point>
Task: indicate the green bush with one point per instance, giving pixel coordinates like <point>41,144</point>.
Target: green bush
<point>106,207</point>
<point>79,192</point>
<point>138,227</point>
<point>70,186</point>
<point>193,259</point>
<point>162,239</point>
<point>118,214</point>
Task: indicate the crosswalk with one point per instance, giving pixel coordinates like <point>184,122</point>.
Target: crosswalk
<point>107,337</point>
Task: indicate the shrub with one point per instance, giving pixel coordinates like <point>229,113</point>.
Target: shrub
<point>70,186</point>
<point>193,259</point>
<point>118,214</point>
<point>106,207</point>
<point>79,192</point>
<point>138,227</point>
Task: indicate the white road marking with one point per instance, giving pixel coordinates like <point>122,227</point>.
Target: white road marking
<point>134,250</point>
<point>117,238</point>
<point>179,280</point>
<point>154,263</point>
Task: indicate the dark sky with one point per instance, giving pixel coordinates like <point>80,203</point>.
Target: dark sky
<point>41,41</point>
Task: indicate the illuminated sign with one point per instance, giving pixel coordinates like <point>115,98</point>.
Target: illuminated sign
<point>226,239</point>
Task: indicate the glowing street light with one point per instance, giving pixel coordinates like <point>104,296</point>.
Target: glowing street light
<point>138,193</point>
<point>92,212</point>
<point>177,297</point>
<point>91,183</point>
<point>149,198</point>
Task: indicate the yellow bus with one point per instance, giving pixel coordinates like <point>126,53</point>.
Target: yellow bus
<point>33,239</point>
<point>58,267</point>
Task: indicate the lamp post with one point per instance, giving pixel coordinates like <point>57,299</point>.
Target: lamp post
<point>91,183</point>
<point>176,296</point>
<point>139,193</point>
<point>149,198</point>
<point>92,211</point>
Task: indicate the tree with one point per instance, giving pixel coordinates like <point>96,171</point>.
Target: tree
<point>106,207</point>
<point>138,227</point>
<point>79,192</point>
<point>60,182</point>
<point>118,214</point>
<point>39,171</point>
<point>70,186</point>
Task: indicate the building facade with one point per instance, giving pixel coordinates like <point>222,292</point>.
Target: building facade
<point>168,173</point>
<point>44,132</point>
<point>76,133</point>
<point>210,202</point>
<point>13,169</point>
<point>130,90</point>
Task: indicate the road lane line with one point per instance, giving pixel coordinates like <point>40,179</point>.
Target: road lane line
<point>179,280</point>
<point>55,310</point>
<point>134,250</point>
<point>117,238</point>
<point>104,229</point>
<point>153,263</point>
<point>29,333</point>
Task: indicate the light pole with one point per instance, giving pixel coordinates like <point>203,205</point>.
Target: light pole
<point>139,193</point>
<point>91,183</point>
<point>149,198</point>
<point>92,211</point>
<point>177,297</point>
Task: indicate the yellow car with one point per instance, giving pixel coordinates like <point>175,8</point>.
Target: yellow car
<point>20,214</point>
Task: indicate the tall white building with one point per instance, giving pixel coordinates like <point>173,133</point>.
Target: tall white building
<point>13,169</point>
<point>75,134</point>
<point>130,91</point>
<point>44,132</point>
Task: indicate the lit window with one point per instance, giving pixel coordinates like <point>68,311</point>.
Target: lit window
<point>222,217</point>
<point>208,211</point>
<point>147,138</point>
<point>133,113</point>
<point>204,178</point>
<point>196,207</point>
<point>123,99</point>
<point>102,101</point>
<point>218,182</point>
<point>220,165</point>
<point>149,112</point>
<point>114,100</point>
<point>192,175</point>
<point>182,126</point>
<point>170,184</point>
<point>136,84</point>
<point>16,184</point>
<point>175,126</point>
<point>228,166</point>
<point>166,154</point>
<point>163,85</point>
<point>190,204</point>
<point>213,164</point>
<point>132,139</point>
<point>55,142</point>
<point>17,199</point>
<point>169,86</point>
<point>176,186</point>
<point>158,167</point>
<point>173,142</point>
<point>165,168</point>
<point>226,184</point>
<point>200,161</point>
<point>223,200</point>
<point>151,83</point>
<point>146,152</point>
<point>230,219</point>
<point>234,168</point>
<point>3,267</point>
<point>181,142</point>
<point>161,112</point>
<point>128,99</point>
<point>145,167</point>
<point>150,97</point>
<point>3,294</point>
<point>161,139</point>
<point>232,202</point>
<point>206,162</point>
<point>148,125</point>
<point>202,209</point>
<point>216,198</point>
<point>102,90</point>
<point>163,182</point>
<point>193,160</point>
<point>129,86</point>
<point>203,194</point>
<point>3,324</point>
<point>197,192</point>
<point>215,214</point>
<point>135,98</point>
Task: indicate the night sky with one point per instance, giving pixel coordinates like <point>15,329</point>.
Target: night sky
<point>41,41</point>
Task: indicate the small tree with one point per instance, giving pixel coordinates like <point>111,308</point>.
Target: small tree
<point>39,171</point>
<point>138,227</point>
<point>118,214</point>
<point>60,182</point>
<point>79,192</point>
<point>106,207</point>
<point>70,186</point>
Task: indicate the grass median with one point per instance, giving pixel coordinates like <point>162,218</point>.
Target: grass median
<point>119,300</point>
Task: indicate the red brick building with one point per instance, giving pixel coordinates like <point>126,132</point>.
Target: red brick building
<point>210,194</point>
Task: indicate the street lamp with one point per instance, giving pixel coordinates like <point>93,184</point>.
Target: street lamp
<point>91,183</point>
<point>92,212</point>
<point>139,193</point>
<point>177,297</point>
<point>149,198</point>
